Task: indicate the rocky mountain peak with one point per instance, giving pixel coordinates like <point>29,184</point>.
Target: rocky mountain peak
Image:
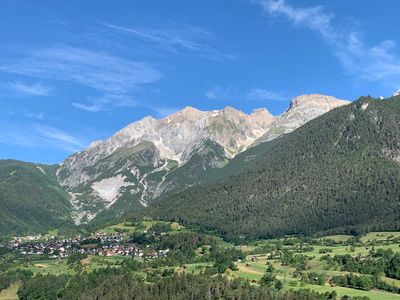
<point>262,116</point>
<point>396,93</point>
<point>187,112</point>
<point>302,109</point>
<point>231,110</point>
<point>187,115</point>
<point>316,100</point>
<point>261,111</point>
<point>140,125</point>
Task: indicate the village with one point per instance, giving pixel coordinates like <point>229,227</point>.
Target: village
<point>116,244</point>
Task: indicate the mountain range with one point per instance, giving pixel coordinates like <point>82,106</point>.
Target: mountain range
<point>151,158</point>
<point>145,161</point>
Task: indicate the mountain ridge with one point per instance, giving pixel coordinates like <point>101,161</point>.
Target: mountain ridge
<point>339,173</point>
<point>140,161</point>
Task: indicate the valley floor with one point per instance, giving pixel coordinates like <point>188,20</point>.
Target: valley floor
<point>316,263</point>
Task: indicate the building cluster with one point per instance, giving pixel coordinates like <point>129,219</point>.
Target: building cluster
<point>99,244</point>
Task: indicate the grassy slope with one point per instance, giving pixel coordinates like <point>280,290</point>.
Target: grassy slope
<point>31,199</point>
<point>10,293</point>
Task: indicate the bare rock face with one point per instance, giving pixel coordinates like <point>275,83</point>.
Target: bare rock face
<point>396,93</point>
<point>174,137</point>
<point>151,157</point>
<point>302,110</point>
<point>263,117</point>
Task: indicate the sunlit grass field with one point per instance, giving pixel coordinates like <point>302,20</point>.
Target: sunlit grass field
<point>10,293</point>
<point>255,265</point>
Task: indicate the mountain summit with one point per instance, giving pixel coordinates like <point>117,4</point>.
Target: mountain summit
<point>152,157</point>
<point>301,110</point>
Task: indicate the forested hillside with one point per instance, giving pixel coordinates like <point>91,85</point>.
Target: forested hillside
<point>30,198</point>
<point>339,172</point>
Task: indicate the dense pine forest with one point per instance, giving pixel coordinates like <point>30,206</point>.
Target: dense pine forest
<point>108,283</point>
<point>339,172</point>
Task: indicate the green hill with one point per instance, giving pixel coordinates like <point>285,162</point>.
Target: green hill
<point>31,200</point>
<point>339,172</point>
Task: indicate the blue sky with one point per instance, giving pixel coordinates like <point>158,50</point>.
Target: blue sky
<point>76,71</point>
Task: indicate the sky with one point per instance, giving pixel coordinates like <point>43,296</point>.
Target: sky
<point>73,71</point>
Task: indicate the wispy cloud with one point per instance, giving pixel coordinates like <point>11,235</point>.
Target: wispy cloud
<point>176,40</point>
<point>31,89</point>
<point>264,95</point>
<point>222,93</point>
<point>106,102</point>
<point>34,115</point>
<point>234,93</point>
<point>40,136</point>
<point>114,78</point>
<point>26,114</point>
<point>378,63</point>
<point>100,71</point>
<point>315,18</point>
<point>93,107</point>
<point>59,137</point>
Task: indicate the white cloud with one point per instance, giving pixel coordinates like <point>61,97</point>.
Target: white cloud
<point>176,40</point>
<point>113,77</point>
<point>255,94</point>
<point>33,89</point>
<point>58,136</point>
<point>264,95</point>
<point>26,113</point>
<point>106,102</point>
<point>34,115</point>
<point>315,18</point>
<point>88,107</point>
<point>222,93</point>
<point>40,136</point>
<point>378,63</point>
<point>100,71</point>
